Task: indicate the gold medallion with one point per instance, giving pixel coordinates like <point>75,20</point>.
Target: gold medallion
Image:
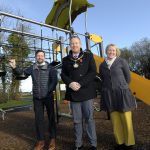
<point>77,61</point>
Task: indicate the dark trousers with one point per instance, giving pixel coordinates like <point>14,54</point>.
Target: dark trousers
<point>39,117</point>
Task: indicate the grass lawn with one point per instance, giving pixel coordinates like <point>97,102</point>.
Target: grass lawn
<point>13,103</point>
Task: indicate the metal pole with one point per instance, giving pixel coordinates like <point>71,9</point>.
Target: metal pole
<point>62,47</point>
<point>70,20</point>
<point>32,21</point>
<point>87,39</point>
<point>86,21</point>
<point>39,23</point>
<point>68,47</point>
<point>0,20</point>
<point>101,50</point>
<point>41,38</point>
<point>27,34</point>
<point>49,52</point>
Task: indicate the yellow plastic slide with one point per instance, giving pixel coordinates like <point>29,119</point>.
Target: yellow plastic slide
<point>139,85</point>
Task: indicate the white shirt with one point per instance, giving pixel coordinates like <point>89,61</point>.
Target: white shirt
<point>75,55</point>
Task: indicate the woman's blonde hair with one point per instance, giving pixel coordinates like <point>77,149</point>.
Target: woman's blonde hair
<point>118,52</point>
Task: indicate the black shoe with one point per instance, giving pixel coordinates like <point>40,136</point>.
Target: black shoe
<point>78,148</point>
<point>93,148</point>
<point>120,147</point>
<point>129,147</point>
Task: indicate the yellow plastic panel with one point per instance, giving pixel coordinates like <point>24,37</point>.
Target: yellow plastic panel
<point>95,38</point>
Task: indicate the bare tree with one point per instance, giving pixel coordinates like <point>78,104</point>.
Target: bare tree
<point>138,57</point>
<point>14,45</point>
<point>141,57</point>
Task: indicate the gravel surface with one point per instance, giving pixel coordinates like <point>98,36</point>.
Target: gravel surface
<point>17,130</point>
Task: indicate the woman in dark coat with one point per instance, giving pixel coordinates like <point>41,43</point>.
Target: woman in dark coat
<point>117,98</point>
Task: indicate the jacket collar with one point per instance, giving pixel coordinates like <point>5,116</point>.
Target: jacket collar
<point>114,63</point>
<point>44,67</point>
<point>71,54</point>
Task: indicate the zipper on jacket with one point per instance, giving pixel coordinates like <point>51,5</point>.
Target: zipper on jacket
<point>39,84</point>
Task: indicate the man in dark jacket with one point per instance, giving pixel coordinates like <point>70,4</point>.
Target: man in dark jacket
<point>44,79</point>
<point>78,73</point>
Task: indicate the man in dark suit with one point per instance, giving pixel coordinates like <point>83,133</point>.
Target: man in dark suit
<point>78,73</point>
<point>44,79</point>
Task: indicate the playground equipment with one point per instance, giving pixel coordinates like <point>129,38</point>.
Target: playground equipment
<point>61,9</point>
<point>139,85</point>
<point>70,9</point>
<point>56,46</point>
<point>53,56</point>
